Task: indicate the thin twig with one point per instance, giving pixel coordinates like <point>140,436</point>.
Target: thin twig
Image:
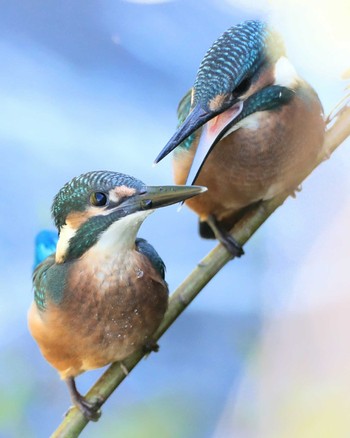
<point>75,422</point>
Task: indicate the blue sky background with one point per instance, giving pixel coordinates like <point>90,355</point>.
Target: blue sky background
<point>95,85</point>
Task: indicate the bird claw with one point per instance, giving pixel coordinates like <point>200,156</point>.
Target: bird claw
<point>295,191</point>
<point>150,346</point>
<point>228,241</point>
<point>232,246</point>
<point>91,411</point>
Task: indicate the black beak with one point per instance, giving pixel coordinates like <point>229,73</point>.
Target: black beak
<point>153,197</point>
<point>196,118</point>
<point>161,196</point>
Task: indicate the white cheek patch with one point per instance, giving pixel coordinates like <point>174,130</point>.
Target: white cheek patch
<point>66,233</point>
<point>285,74</point>
<point>118,237</point>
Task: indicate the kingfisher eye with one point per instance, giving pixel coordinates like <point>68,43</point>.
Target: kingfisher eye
<point>242,87</point>
<point>98,199</point>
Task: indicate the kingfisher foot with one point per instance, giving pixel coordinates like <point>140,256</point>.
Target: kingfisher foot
<point>294,192</point>
<point>225,238</point>
<point>91,411</point>
<point>232,246</point>
<point>150,347</point>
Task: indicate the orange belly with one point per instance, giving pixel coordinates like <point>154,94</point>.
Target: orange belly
<point>254,164</point>
<point>94,327</point>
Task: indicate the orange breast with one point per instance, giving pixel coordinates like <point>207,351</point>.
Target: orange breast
<point>103,318</point>
<point>266,156</point>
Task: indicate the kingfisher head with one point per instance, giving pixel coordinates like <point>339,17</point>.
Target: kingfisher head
<point>247,59</point>
<point>105,210</point>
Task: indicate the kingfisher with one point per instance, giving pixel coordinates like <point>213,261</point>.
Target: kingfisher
<point>249,129</point>
<point>102,294</point>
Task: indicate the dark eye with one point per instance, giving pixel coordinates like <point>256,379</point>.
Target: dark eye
<point>242,87</point>
<point>98,199</point>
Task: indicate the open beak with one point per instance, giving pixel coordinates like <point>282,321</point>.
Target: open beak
<point>153,197</point>
<point>213,130</point>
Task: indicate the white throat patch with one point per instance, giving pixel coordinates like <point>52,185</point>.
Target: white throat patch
<point>121,235</point>
<point>285,73</point>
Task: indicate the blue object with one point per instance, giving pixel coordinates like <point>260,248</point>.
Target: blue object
<point>45,245</point>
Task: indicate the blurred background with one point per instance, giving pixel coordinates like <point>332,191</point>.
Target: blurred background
<point>264,350</point>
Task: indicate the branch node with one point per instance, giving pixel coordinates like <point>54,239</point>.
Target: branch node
<point>181,299</point>
<point>124,369</point>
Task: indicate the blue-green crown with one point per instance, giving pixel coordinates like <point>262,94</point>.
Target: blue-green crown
<point>237,54</point>
<point>75,195</point>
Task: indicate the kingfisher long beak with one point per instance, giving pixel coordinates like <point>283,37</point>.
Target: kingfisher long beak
<point>153,197</point>
<point>161,196</point>
<point>214,130</point>
<point>196,118</point>
<point>224,123</point>
<point>214,125</point>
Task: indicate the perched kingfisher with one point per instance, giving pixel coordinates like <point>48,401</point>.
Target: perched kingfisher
<point>249,128</point>
<point>102,294</point>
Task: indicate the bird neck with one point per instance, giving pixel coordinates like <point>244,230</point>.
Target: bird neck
<point>101,234</point>
<point>121,235</point>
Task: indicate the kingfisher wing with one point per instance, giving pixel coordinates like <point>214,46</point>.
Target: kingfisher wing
<point>147,250</point>
<point>184,107</point>
<point>40,282</point>
<point>183,110</point>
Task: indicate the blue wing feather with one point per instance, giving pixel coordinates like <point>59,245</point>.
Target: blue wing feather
<point>183,111</point>
<point>147,250</point>
<point>48,278</point>
<point>40,286</point>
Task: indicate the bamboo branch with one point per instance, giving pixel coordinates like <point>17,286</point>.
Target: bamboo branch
<point>74,422</point>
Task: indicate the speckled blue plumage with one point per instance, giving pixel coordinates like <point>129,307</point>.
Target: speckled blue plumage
<point>74,195</point>
<point>49,279</point>
<point>183,111</point>
<point>238,52</point>
<point>266,99</point>
<point>49,273</point>
<point>45,270</point>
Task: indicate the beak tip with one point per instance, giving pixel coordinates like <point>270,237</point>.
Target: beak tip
<point>199,189</point>
<point>164,152</point>
<point>195,190</point>
<point>160,156</point>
